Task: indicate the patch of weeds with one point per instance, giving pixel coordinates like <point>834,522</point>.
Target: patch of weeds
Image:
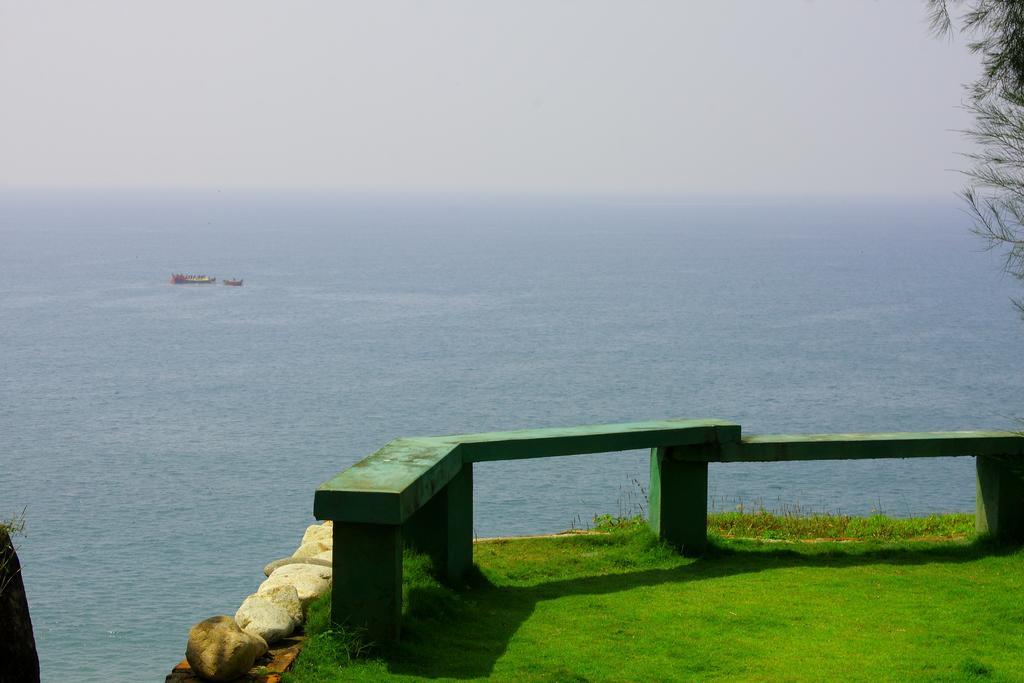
<point>328,649</point>
<point>15,525</point>
<point>564,676</point>
<point>826,529</point>
<point>972,668</point>
<point>767,525</point>
<point>423,594</point>
<point>325,654</point>
<point>610,523</point>
<point>8,551</point>
<point>318,615</point>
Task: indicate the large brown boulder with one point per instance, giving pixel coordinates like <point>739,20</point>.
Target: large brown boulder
<point>19,662</point>
<point>220,651</point>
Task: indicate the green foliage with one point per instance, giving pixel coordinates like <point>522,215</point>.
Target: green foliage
<point>995,194</point>
<point>766,525</point>
<point>611,523</point>
<point>423,596</point>
<point>326,655</point>
<point>975,669</point>
<point>13,526</point>
<point>997,31</point>
<point>318,615</point>
<point>763,524</point>
<point>619,605</point>
<point>328,651</point>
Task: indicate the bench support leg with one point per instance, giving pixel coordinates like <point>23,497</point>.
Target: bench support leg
<point>443,528</point>
<point>367,590</point>
<point>1000,502</point>
<point>427,531</point>
<point>678,501</point>
<point>460,525</point>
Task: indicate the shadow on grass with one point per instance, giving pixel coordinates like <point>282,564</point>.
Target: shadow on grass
<point>463,637</point>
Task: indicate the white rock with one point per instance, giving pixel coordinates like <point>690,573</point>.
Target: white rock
<point>319,532</point>
<point>276,564</point>
<point>287,598</point>
<point>310,581</point>
<point>261,616</point>
<point>311,549</point>
<point>326,556</point>
<point>218,650</point>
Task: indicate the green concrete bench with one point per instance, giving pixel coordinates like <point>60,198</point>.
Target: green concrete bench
<point>419,492</point>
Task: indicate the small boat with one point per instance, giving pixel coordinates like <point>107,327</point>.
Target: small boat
<point>183,279</point>
<point>233,283</point>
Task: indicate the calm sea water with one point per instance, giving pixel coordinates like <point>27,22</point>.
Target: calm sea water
<point>167,440</point>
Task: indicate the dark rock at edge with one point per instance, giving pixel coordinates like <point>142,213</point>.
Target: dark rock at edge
<point>19,662</point>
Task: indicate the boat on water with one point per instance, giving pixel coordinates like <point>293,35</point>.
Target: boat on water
<point>233,283</point>
<point>183,279</point>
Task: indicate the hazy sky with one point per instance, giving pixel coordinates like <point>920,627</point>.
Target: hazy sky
<point>836,97</point>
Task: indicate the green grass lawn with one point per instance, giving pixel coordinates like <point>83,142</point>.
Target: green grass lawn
<point>619,606</point>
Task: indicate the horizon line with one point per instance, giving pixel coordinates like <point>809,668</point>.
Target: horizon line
<point>667,197</point>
